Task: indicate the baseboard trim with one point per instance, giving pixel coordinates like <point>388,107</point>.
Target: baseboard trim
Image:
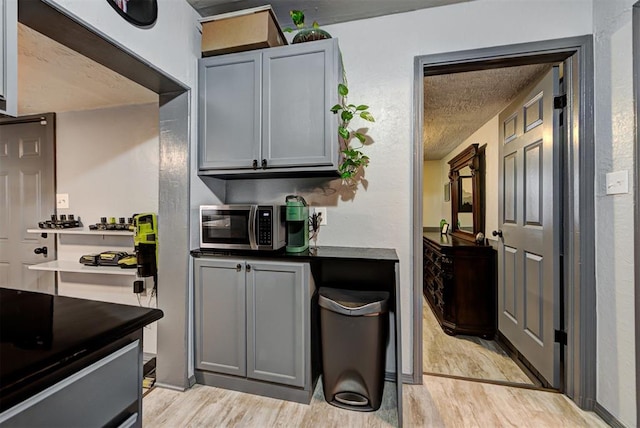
<point>607,417</point>
<point>171,387</point>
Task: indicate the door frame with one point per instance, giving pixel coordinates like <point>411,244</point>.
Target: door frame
<point>636,186</point>
<point>579,230</point>
<point>52,20</point>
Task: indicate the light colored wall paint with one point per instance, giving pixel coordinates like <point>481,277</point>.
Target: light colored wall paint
<point>432,194</point>
<point>107,161</point>
<point>487,135</point>
<point>614,136</point>
<point>380,73</point>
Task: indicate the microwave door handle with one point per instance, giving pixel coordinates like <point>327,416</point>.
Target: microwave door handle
<point>252,228</point>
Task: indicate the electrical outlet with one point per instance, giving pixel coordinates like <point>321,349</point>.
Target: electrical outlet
<point>323,211</point>
<point>62,200</point>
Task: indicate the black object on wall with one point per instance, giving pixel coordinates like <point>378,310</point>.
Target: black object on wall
<point>142,13</point>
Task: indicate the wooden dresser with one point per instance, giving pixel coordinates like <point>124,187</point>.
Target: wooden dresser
<point>460,284</point>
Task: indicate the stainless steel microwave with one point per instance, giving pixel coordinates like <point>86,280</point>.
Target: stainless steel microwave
<point>242,227</point>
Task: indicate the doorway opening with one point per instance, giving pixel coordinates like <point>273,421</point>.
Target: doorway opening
<point>172,104</point>
<point>577,379</point>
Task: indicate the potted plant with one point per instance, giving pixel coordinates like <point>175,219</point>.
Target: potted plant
<point>305,34</point>
<point>353,159</point>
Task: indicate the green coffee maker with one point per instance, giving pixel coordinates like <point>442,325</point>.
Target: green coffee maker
<point>297,217</point>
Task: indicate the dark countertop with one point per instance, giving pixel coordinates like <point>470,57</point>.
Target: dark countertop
<point>39,333</point>
<point>321,253</point>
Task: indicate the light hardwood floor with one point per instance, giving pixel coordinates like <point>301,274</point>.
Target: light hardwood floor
<point>465,356</point>
<point>439,402</point>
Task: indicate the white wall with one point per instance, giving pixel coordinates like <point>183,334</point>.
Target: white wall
<point>433,194</point>
<point>614,138</point>
<point>107,161</point>
<point>487,135</point>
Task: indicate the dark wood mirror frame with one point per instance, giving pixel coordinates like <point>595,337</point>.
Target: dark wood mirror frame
<point>472,157</point>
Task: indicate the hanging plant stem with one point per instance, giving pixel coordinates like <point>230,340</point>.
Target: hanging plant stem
<point>354,159</point>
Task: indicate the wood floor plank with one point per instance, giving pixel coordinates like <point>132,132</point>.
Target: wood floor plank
<point>440,402</point>
<point>465,356</point>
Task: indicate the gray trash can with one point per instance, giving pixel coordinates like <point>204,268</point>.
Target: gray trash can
<point>354,329</point>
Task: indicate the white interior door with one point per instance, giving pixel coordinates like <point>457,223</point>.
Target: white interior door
<point>528,253</point>
<point>27,196</point>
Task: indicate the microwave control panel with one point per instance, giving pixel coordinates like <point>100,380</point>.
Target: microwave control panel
<point>265,222</point>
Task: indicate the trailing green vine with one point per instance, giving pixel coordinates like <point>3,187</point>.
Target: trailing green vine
<point>354,159</point>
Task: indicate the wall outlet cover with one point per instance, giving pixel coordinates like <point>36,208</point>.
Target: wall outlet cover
<point>62,200</point>
<point>323,211</point>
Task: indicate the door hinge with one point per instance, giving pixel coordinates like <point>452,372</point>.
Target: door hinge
<point>560,101</point>
<point>560,336</point>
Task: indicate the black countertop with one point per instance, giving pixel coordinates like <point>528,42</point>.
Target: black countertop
<point>39,333</point>
<point>320,253</point>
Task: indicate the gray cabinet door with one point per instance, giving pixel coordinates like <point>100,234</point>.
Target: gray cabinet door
<point>220,316</point>
<point>299,87</point>
<point>277,321</point>
<point>9,57</point>
<point>230,96</point>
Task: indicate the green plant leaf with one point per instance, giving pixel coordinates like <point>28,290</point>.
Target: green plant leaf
<point>346,115</point>
<point>360,137</point>
<point>297,16</point>
<point>343,90</point>
<point>344,132</point>
<point>287,30</point>
<point>336,108</point>
<point>367,116</point>
<point>362,107</point>
<point>315,24</point>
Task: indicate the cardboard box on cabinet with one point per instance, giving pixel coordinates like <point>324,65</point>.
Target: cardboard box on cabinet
<point>241,31</point>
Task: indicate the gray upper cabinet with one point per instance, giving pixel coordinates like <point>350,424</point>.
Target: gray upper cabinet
<point>276,322</point>
<point>267,111</point>
<point>9,57</point>
<point>230,94</point>
<point>253,318</point>
<point>220,316</point>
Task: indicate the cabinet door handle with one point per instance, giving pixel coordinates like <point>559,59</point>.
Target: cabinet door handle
<point>248,268</point>
<point>264,164</point>
<point>255,164</point>
<point>238,267</point>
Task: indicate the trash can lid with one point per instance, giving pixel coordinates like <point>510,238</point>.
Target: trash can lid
<point>353,302</point>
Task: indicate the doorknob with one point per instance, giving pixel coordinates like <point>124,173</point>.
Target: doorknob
<point>497,233</point>
<point>42,250</point>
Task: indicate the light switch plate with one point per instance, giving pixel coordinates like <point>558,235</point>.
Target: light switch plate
<point>617,182</point>
<point>62,200</point>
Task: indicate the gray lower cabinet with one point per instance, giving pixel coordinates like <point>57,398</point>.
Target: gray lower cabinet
<point>9,57</point>
<point>253,322</point>
<point>268,111</point>
<point>106,393</point>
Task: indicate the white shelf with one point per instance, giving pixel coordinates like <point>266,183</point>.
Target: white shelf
<point>83,231</point>
<point>77,267</point>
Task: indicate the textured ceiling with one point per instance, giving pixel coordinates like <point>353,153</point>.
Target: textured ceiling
<point>54,78</point>
<point>325,12</point>
<point>457,105</point>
